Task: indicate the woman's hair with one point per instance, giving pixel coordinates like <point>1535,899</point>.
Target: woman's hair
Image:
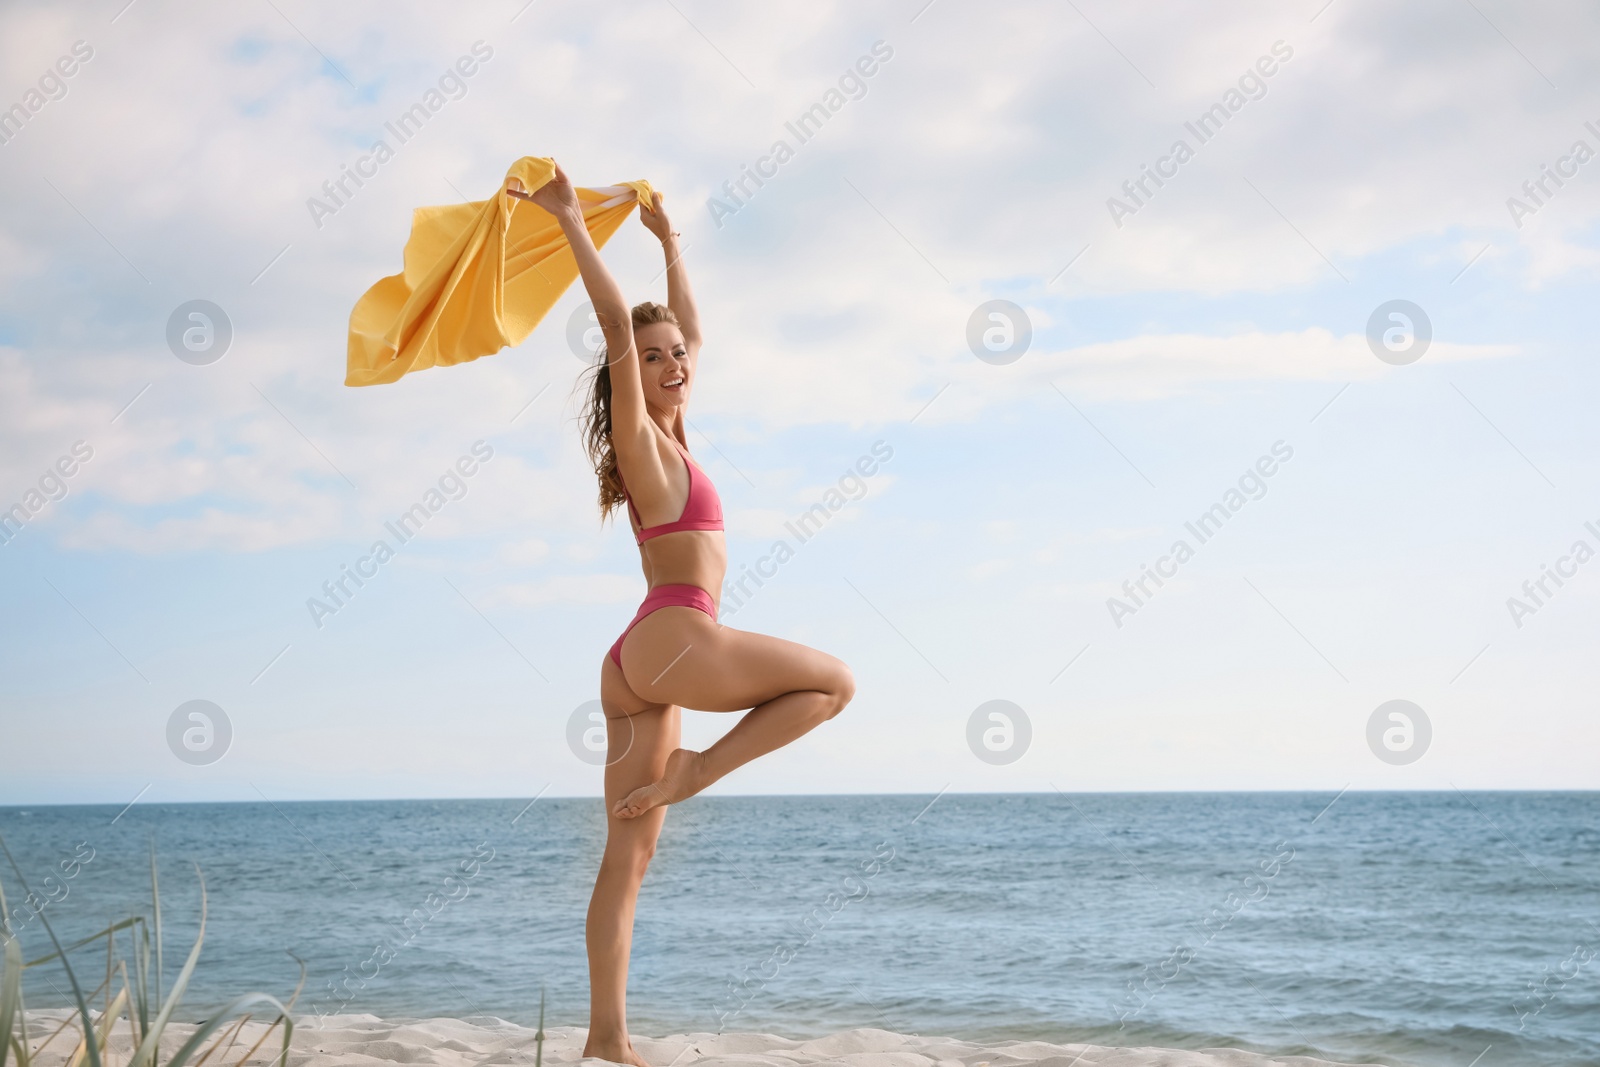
<point>597,418</point>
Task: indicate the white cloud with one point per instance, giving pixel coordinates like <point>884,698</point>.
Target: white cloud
<point>1162,365</point>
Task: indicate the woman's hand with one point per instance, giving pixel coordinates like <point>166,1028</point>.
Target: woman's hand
<point>655,219</point>
<point>556,196</point>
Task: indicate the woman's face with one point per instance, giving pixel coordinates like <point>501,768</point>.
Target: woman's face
<point>664,366</point>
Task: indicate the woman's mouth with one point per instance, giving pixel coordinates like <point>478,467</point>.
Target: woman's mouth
<point>673,383</point>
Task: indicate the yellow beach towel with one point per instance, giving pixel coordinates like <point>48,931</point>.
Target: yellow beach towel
<point>477,277</point>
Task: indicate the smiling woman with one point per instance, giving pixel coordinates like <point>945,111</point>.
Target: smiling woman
<point>674,654</point>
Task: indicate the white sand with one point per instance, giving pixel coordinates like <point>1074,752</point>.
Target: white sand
<point>368,1041</point>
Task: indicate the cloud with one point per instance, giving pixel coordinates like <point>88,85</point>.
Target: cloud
<point>1156,366</point>
<point>839,297</point>
<point>248,480</point>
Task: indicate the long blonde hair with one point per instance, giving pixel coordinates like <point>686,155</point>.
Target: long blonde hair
<point>596,418</point>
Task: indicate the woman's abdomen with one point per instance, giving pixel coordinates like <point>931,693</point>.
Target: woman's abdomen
<point>688,557</point>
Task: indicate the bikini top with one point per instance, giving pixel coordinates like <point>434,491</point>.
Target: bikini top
<point>702,511</point>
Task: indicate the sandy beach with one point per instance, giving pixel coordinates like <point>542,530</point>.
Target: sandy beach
<point>368,1041</point>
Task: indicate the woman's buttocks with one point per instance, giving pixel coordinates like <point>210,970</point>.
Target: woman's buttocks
<point>688,557</point>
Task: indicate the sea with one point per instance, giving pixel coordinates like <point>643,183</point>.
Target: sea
<point>1438,929</point>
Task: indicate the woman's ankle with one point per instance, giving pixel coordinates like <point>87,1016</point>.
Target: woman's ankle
<point>608,1036</point>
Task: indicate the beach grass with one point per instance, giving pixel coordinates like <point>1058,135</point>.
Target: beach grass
<point>134,1001</point>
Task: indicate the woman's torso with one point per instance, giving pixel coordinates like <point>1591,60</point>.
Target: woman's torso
<point>685,556</point>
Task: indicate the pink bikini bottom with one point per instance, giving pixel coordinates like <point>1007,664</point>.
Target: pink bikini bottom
<point>666,596</point>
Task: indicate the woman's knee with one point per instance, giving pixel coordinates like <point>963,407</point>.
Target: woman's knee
<point>841,688</point>
<point>632,857</point>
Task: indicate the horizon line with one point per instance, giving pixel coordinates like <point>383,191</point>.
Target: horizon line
<point>10,807</point>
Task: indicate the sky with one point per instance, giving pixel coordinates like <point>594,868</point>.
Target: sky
<point>1064,278</point>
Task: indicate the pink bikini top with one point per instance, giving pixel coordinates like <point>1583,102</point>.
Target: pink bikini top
<point>702,511</point>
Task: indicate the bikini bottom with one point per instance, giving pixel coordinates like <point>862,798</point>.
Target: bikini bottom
<point>666,596</point>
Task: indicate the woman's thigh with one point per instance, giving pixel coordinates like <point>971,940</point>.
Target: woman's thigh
<point>640,735</point>
<point>682,656</point>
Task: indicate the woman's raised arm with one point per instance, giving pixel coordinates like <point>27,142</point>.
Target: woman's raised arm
<point>679,298</point>
<point>630,425</point>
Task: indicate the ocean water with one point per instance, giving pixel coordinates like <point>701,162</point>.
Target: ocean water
<point>1398,928</point>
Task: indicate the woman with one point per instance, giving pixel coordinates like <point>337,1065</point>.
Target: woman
<point>674,654</point>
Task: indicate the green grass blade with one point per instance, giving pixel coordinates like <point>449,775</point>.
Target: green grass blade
<point>141,977</point>
<point>155,907</point>
<point>538,1036</point>
<point>284,1017</point>
<point>21,1046</point>
<point>108,931</point>
<point>10,992</point>
<point>301,984</point>
<point>101,1037</point>
<point>10,984</point>
<point>145,1056</point>
<point>77,991</point>
<point>19,1037</point>
<point>223,1017</point>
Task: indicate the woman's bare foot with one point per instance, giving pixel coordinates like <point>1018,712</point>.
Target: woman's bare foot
<point>683,778</point>
<point>615,1051</point>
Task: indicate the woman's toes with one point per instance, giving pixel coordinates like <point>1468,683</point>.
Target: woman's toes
<point>638,802</point>
<point>680,781</point>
